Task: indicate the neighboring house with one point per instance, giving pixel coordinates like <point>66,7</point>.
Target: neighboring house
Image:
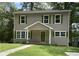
<point>42,27</point>
<point>75,27</point>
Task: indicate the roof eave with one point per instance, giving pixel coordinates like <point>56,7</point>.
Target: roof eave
<point>23,12</point>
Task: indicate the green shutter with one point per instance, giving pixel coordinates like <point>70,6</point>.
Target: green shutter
<point>53,18</point>
<point>19,19</point>
<point>15,34</point>
<point>61,19</point>
<point>31,34</point>
<point>42,18</point>
<point>26,19</point>
<point>49,19</point>
<point>53,33</point>
<point>26,34</point>
<point>66,34</point>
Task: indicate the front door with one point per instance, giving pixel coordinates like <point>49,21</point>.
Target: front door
<point>42,36</point>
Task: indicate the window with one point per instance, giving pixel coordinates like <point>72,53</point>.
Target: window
<point>23,34</point>
<point>57,33</point>
<point>57,19</point>
<point>46,19</point>
<point>20,34</point>
<point>60,34</point>
<point>22,19</point>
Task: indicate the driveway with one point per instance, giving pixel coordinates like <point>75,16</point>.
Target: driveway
<point>5,53</point>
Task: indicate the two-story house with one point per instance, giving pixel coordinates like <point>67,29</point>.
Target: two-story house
<point>42,27</point>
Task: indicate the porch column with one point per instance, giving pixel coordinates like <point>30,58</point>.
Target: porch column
<point>27,37</point>
<point>49,36</point>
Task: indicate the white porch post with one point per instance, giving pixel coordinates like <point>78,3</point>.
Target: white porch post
<point>27,36</point>
<point>49,36</point>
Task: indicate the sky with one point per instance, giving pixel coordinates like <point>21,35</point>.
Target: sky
<point>18,5</point>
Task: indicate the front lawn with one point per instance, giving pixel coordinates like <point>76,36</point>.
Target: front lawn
<point>6,46</point>
<point>45,50</point>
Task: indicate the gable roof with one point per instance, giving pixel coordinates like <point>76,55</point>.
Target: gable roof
<point>42,11</point>
<point>39,23</point>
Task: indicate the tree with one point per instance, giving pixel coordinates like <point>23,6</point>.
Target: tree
<point>41,6</point>
<point>6,22</point>
<point>29,5</point>
<point>34,5</point>
<point>7,6</point>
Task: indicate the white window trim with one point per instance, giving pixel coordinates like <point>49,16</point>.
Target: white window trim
<point>59,34</point>
<point>24,19</point>
<point>48,19</point>
<point>20,34</point>
<point>55,19</point>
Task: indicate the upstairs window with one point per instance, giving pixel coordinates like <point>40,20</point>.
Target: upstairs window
<point>46,19</point>
<point>22,19</point>
<point>58,19</point>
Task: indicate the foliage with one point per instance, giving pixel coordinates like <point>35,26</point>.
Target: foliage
<point>6,27</point>
<point>75,34</point>
<point>25,5</point>
<point>34,5</point>
<point>6,22</point>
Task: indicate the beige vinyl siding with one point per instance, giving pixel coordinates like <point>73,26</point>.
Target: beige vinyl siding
<point>32,18</point>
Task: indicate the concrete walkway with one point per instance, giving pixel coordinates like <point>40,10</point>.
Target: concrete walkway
<point>72,53</point>
<point>5,53</point>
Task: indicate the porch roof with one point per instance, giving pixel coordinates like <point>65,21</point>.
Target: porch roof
<point>38,22</point>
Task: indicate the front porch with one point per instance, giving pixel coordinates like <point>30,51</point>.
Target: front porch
<point>38,36</point>
<point>38,33</point>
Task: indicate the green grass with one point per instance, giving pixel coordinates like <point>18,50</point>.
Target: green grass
<point>6,46</point>
<point>45,50</point>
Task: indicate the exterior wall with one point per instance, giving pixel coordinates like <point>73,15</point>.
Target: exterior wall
<point>20,40</point>
<point>32,18</point>
<point>61,41</point>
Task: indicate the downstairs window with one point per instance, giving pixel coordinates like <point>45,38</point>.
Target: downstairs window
<point>60,34</point>
<point>20,34</point>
